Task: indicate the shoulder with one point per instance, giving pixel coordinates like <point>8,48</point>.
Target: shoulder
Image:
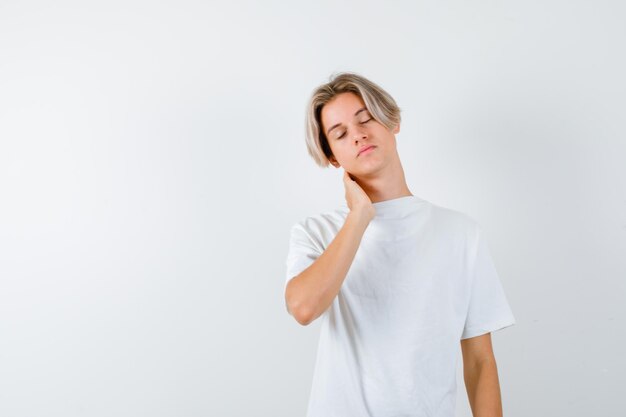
<point>454,221</point>
<point>323,223</point>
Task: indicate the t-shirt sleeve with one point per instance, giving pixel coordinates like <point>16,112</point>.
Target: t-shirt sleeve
<point>303,251</point>
<point>488,307</point>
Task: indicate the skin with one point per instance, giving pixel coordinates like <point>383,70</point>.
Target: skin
<point>378,176</point>
<point>480,373</point>
<point>378,172</point>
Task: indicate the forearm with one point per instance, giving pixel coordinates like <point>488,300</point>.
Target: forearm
<point>483,389</point>
<point>313,290</point>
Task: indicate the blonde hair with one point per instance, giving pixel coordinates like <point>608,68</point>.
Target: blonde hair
<point>378,102</point>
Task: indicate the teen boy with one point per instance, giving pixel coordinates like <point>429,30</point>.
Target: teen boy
<point>398,281</point>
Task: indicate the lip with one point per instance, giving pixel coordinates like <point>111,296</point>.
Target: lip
<point>365,149</point>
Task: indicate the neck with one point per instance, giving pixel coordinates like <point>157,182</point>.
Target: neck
<point>387,185</point>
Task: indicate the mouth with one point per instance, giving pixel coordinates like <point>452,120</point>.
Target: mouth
<point>366,149</point>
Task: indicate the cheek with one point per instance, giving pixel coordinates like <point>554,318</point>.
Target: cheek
<point>340,152</point>
<point>336,145</point>
<point>343,148</point>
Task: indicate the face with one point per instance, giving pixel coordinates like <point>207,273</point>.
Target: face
<point>350,130</point>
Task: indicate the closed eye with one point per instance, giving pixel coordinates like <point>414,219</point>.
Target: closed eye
<point>363,122</point>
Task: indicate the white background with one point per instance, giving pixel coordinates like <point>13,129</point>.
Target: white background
<point>152,160</point>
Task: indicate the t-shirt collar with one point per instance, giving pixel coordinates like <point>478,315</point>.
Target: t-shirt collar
<point>396,207</point>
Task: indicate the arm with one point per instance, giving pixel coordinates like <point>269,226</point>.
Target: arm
<point>310,293</point>
<point>481,376</point>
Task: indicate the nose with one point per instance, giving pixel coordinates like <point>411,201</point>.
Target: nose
<point>359,133</point>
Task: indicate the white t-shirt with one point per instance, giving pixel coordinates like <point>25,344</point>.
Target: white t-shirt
<point>422,279</point>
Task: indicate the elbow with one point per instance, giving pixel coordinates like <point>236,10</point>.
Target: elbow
<point>303,318</point>
<point>298,309</point>
<point>299,312</point>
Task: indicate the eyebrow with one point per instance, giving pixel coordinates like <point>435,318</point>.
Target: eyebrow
<point>338,124</point>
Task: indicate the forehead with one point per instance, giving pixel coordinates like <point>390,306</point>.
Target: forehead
<point>341,108</point>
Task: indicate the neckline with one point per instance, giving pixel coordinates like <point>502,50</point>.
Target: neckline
<point>393,202</point>
<point>395,207</point>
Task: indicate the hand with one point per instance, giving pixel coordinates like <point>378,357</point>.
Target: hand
<point>358,201</point>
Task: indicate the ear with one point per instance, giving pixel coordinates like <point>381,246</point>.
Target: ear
<point>333,162</point>
<point>396,129</point>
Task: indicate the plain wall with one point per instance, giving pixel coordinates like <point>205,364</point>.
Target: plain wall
<point>152,161</point>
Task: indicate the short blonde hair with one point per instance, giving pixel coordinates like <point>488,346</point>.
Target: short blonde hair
<point>379,103</point>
